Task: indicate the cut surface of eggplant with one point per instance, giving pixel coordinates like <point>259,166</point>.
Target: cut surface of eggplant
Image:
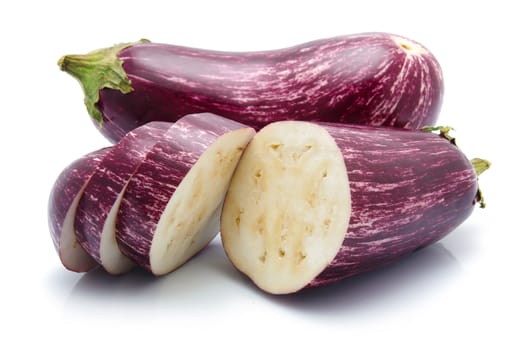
<point>295,183</point>
<point>171,207</point>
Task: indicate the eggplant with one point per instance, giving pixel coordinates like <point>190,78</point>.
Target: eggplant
<point>98,205</point>
<point>62,208</point>
<point>370,78</point>
<point>311,204</point>
<point>171,206</point>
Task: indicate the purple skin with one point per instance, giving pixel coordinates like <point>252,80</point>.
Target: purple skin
<point>370,78</point>
<point>157,178</point>
<point>65,190</point>
<point>107,182</point>
<point>408,190</point>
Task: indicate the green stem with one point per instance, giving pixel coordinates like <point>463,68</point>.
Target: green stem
<point>443,132</point>
<point>97,70</point>
<point>479,165</point>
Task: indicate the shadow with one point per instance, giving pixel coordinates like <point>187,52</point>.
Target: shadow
<point>414,278</point>
<point>209,283</point>
<point>60,279</point>
<point>465,241</point>
<point>100,283</point>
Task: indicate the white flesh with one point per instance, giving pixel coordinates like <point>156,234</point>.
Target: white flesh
<point>288,206</point>
<point>191,218</point>
<point>71,253</point>
<point>112,259</point>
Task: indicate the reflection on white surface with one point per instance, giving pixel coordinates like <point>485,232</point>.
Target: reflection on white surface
<point>209,283</point>
<point>203,282</point>
<point>424,272</point>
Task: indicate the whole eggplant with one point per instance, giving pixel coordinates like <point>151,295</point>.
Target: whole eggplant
<point>369,78</point>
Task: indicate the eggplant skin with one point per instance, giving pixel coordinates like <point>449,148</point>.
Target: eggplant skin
<point>106,184</point>
<point>63,200</point>
<point>408,189</point>
<point>369,78</point>
<point>162,171</point>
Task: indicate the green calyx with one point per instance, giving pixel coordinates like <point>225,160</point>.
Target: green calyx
<point>444,132</point>
<point>97,70</point>
<point>479,165</point>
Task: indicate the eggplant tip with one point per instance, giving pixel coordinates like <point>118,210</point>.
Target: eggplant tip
<point>60,62</point>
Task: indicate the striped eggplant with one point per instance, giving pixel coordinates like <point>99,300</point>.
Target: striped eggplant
<point>310,204</point>
<point>369,78</point>
<point>62,208</point>
<point>98,206</point>
<point>171,206</point>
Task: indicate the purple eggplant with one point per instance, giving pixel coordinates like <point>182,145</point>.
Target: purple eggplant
<point>171,206</point>
<point>370,78</point>
<point>310,204</point>
<point>98,206</point>
<point>62,208</point>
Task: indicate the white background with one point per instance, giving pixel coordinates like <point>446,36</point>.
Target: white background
<point>466,290</point>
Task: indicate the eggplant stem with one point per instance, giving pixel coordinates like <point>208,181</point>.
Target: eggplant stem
<point>443,132</point>
<point>479,165</point>
<point>97,70</point>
